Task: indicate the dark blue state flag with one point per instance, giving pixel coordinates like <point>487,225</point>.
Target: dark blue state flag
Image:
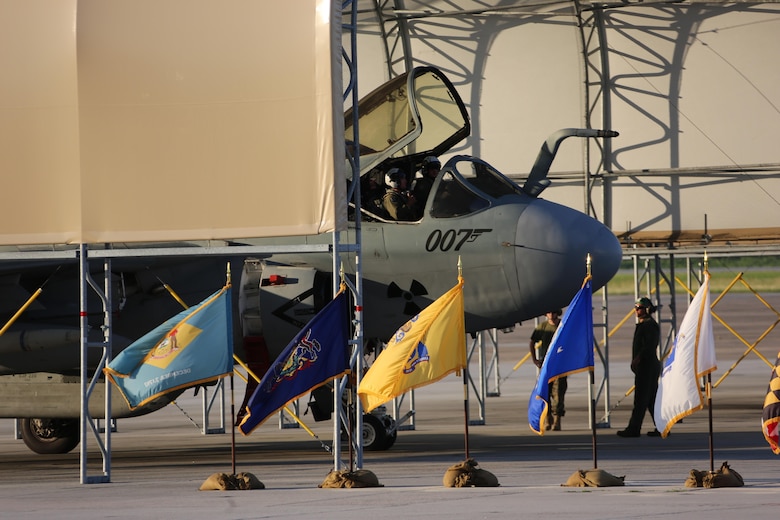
<point>571,351</point>
<point>318,354</point>
<point>193,347</point>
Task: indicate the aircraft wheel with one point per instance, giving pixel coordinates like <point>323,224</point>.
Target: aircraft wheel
<point>374,433</point>
<point>391,432</point>
<point>391,439</point>
<point>47,436</point>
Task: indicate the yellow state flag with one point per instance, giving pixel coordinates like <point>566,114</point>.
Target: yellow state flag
<point>424,350</point>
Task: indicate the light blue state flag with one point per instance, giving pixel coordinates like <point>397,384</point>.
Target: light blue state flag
<point>318,354</point>
<point>193,347</point>
<point>570,351</point>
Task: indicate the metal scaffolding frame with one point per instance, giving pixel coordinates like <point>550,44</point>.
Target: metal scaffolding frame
<point>84,255</point>
<point>397,30</point>
<point>393,19</point>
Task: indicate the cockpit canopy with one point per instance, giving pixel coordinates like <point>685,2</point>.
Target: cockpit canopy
<point>413,115</point>
<point>467,185</point>
<point>464,186</point>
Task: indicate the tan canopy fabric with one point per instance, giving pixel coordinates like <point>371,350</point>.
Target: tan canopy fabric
<point>139,120</point>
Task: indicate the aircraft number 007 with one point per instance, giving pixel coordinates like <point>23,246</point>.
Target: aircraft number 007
<point>452,239</point>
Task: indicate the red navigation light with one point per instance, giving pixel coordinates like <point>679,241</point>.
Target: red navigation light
<point>277,279</point>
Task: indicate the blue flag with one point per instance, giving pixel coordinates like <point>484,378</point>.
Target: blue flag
<point>315,356</point>
<point>193,347</point>
<point>571,351</point>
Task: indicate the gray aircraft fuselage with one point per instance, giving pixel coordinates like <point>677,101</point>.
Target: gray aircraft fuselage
<point>521,256</point>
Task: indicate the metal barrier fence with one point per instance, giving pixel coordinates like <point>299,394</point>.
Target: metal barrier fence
<point>751,347</point>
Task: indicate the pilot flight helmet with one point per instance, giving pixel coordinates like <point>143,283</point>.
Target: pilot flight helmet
<point>392,178</point>
<point>431,161</point>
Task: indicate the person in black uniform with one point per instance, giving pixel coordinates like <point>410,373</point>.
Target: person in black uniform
<point>645,366</point>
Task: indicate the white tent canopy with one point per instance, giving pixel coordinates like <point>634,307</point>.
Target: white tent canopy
<point>139,120</point>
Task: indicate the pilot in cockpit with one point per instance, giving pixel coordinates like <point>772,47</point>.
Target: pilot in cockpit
<point>373,191</point>
<point>399,203</point>
<point>430,168</point>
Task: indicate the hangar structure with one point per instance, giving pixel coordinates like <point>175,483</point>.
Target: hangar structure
<point>690,86</point>
<point>647,70</point>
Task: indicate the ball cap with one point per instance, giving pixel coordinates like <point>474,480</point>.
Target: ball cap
<point>644,302</point>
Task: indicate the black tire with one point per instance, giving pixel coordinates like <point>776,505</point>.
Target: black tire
<point>374,434</point>
<point>49,436</point>
<point>391,439</point>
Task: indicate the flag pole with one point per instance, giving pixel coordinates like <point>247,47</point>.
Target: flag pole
<point>591,382</point>
<point>593,420</point>
<point>466,408</point>
<point>233,427</point>
<point>228,283</point>
<point>709,405</point>
<point>29,302</point>
<point>709,390</point>
<point>465,384</point>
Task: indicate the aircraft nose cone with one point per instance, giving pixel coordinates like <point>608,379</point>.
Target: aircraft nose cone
<point>552,245</point>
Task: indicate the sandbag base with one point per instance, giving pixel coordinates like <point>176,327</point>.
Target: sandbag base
<point>594,478</point>
<point>361,478</point>
<point>467,474</point>
<point>724,477</point>
<point>225,482</point>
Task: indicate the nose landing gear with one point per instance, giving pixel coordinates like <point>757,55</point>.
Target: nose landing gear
<point>379,430</point>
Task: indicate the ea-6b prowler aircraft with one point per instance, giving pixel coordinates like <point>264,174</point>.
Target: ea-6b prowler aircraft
<point>521,256</point>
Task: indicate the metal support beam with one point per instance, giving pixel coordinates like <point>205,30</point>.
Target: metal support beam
<point>207,403</point>
<point>88,381</point>
<point>346,404</point>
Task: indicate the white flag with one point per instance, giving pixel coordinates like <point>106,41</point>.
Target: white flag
<point>691,358</point>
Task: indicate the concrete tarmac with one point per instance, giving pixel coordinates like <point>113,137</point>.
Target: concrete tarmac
<point>159,461</point>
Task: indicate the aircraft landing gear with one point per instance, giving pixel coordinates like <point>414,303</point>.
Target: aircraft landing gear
<point>379,432</point>
<point>48,436</point>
